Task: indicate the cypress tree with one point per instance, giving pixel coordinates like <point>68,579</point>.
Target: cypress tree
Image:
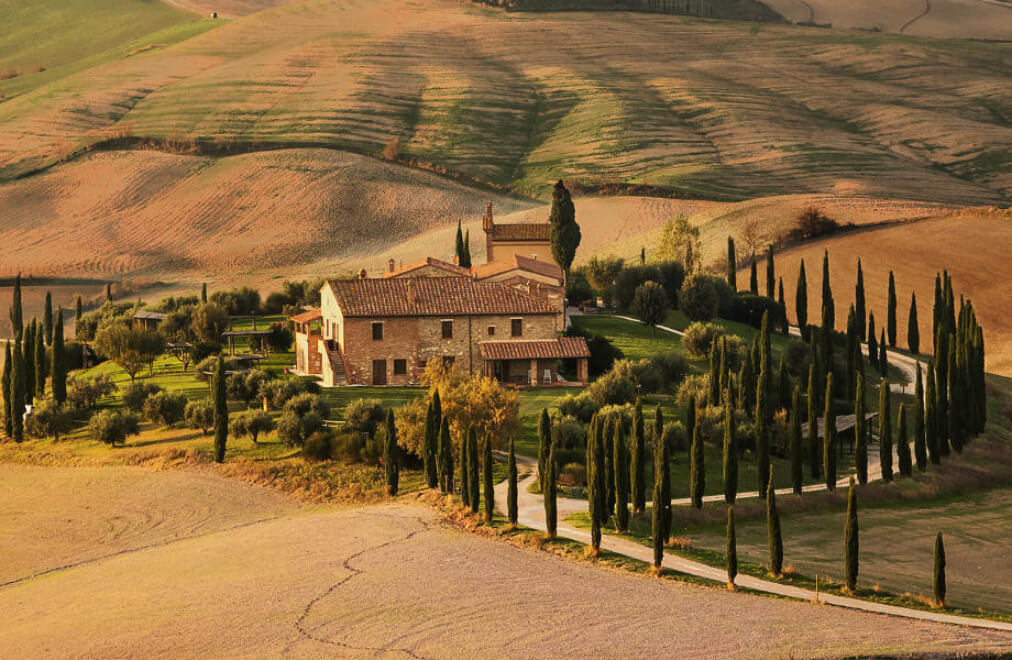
<point>913,331</point>
<point>872,341</point>
<point>433,420</point>
<point>78,311</point>
<point>638,460</point>
<point>883,356</point>
<point>942,398</point>
<point>600,472</point>
<point>458,248</point>
<point>903,443</point>
<point>487,479</point>
<point>776,542</point>
<point>828,306</point>
<point>920,450</point>
<point>713,395</point>
<point>813,426</point>
<point>474,497</point>
<point>939,581</point>
<point>829,437</point>
<point>58,372</point>
<point>762,437</point>
<point>724,385</point>
<point>782,302</point>
<point>753,280</point>
<point>17,394</point>
<point>220,412</point>
<point>445,458</point>
<point>47,319</point>
<point>390,454</point>
<point>851,540</point>
<point>797,471</point>
<point>592,468</point>
<point>885,436</point>
<point>28,360</point>
<point>544,443</point>
<point>690,421</point>
<point>621,461</point>
<point>17,324</point>
<point>665,471</point>
<point>698,469</point>
<point>801,298</point>
<point>108,291</point>
<point>931,419</point>
<point>860,435</point>
<point>465,466</point>
<point>784,384</point>
<point>511,494</point>
<point>658,510</point>
<point>955,413</point>
<point>609,467</point>
<point>466,260</point>
<point>8,391</point>
<point>730,457</point>
<point>40,363</point>
<point>771,279</point>
<point>732,265</point>
<point>551,485</point>
<point>891,310</point>
<point>859,302</point>
<point>731,548</point>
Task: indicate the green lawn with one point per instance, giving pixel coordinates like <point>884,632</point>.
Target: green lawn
<point>635,340</point>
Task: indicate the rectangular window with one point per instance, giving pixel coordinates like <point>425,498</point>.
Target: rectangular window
<point>447,329</point>
<point>517,327</point>
<point>448,360</point>
<point>377,331</point>
<point>400,367</point>
<point>491,331</point>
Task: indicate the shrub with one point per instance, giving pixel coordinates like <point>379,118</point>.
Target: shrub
<point>250,422</point>
<point>276,302</point>
<point>613,388</point>
<point>578,289</point>
<point>280,338</point>
<point>602,352</point>
<point>669,274</point>
<point>279,391</point>
<point>699,338</point>
<point>113,427</point>
<point>347,447</point>
<point>797,357</point>
<point>205,368</point>
<point>306,403</point>
<point>209,321</point>
<point>49,420</point>
<point>295,429</point>
<point>165,408</point>
<point>85,392</point>
<point>749,309</point>
<point>697,386</point>
<point>199,415</point>
<point>87,327</point>
<point>237,301</point>
<point>569,434</point>
<point>699,298</point>
<point>672,365</point>
<point>581,406</point>
<point>812,223</point>
<point>574,474</point>
<point>675,437</point>
<point>134,394</point>
<point>245,387</point>
<point>711,425</point>
<point>318,446</point>
<point>364,415</point>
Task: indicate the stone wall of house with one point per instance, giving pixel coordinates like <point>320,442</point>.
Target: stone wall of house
<point>504,250</point>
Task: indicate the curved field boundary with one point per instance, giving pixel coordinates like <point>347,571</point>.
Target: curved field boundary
<point>927,8</point>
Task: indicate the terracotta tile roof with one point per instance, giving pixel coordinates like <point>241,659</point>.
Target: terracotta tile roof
<point>532,286</point>
<point>518,262</point>
<point>432,296</point>
<point>524,231</point>
<point>307,317</point>
<point>526,349</point>
<point>451,269</point>
<point>143,314</point>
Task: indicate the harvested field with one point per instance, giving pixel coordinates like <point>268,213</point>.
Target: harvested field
<point>519,100</point>
<point>973,248</point>
<point>387,579</point>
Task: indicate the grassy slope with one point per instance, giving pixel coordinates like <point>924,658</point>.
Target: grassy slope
<point>67,36</point>
<point>662,100</point>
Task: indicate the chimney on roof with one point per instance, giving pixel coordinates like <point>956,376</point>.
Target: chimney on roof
<point>362,274</point>
<point>391,266</point>
<point>487,223</point>
<point>456,260</point>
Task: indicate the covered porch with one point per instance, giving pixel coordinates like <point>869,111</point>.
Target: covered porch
<point>528,362</point>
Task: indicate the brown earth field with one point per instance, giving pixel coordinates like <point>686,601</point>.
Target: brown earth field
<point>227,570</point>
<point>973,248</point>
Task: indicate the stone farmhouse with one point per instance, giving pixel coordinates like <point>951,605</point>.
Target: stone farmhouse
<point>500,319</point>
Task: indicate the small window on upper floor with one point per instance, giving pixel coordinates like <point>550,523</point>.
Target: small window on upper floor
<point>517,327</point>
<point>377,330</point>
<point>447,329</point>
<point>491,331</point>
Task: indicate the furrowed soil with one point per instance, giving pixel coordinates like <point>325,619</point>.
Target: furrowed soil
<point>384,580</point>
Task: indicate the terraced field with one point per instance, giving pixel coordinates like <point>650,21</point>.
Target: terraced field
<point>723,110</point>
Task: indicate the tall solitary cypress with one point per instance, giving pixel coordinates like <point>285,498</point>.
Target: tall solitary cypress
<point>813,425</point>
<point>391,453</point>
<point>891,309</point>
<point>850,538</point>
<point>78,310</point>
<point>458,247</point>
<point>872,341</point>
<point>17,322</point>
<point>860,435</point>
<point>931,418</point>
<point>551,485</point>
<point>903,443</point>
<point>17,394</point>
<point>433,421</point>
<point>544,443</point>
<point>220,412</point>
<point>203,293</point>
<point>489,484</point>
<point>511,493</point>
<point>28,360</point>
<point>7,391</point>
<point>939,581</point>
<point>565,233</point>
<point>732,265</point>
<point>637,448</point>
<point>771,279</point>
<point>829,436</point>
<point>801,298</point>
<point>913,330</point>
<point>776,542</point>
<point>664,470</point>
<point>859,302</point>
<point>920,447</point>
<point>47,319</point>
<point>621,461</point>
<point>658,510</point>
<point>753,279</point>
<point>57,368</point>
<point>797,467</point>
<point>474,497</point>
<point>465,465</point>
<point>40,363</point>
<point>445,458</point>
<point>690,421</point>
<point>731,548</point>
<point>698,469</point>
<point>828,306</point>
<point>730,457</point>
<point>762,436</point>
<point>885,434</point>
<point>883,355</point>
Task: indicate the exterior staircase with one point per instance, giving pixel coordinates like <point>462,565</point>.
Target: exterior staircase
<point>336,362</point>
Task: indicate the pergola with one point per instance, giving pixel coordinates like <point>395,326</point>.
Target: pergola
<point>250,334</point>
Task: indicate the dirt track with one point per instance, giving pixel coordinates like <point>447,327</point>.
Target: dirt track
<point>385,581</point>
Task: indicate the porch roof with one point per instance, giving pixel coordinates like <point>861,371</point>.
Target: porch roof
<point>529,349</point>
